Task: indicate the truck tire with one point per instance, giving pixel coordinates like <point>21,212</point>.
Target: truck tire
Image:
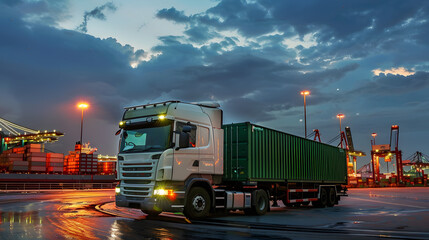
<point>197,203</point>
<point>332,197</point>
<point>261,203</point>
<point>323,201</point>
<point>151,213</point>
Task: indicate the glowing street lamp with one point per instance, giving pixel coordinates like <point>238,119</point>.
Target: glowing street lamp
<point>340,116</point>
<point>374,135</point>
<point>82,106</point>
<point>305,93</point>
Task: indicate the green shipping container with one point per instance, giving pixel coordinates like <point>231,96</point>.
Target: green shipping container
<point>255,153</point>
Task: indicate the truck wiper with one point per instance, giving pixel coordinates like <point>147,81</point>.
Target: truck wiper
<point>132,150</point>
<point>150,148</point>
<point>139,149</point>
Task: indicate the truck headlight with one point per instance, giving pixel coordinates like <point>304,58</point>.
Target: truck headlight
<point>117,190</point>
<point>162,192</point>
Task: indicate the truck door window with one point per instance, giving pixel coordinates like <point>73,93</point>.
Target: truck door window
<point>192,134</point>
<point>203,136</point>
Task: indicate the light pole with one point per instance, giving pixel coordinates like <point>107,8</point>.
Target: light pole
<point>340,116</point>
<point>82,106</point>
<point>305,93</point>
<point>373,135</point>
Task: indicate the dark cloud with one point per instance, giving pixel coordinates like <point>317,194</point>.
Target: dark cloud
<point>351,29</point>
<point>388,84</point>
<point>46,71</point>
<point>42,11</point>
<point>200,34</point>
<point>96,13</point>
<point>173,15</point>
<point>256,77</point>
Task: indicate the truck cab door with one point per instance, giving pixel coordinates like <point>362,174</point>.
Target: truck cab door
<point>186,160</point>
<point>206,150</point>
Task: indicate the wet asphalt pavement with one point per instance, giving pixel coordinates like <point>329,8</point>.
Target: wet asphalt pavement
<point>400,213</point>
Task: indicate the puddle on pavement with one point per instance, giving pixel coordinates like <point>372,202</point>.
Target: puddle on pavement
<point>31,217</point>
<point>343,224</point>
<point>76,210</point>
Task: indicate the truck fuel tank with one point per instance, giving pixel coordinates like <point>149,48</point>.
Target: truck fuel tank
<point>238,200</point>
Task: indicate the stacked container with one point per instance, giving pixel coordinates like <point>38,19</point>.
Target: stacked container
<point>36,161</point>
<point>78,163</point>
<point>71,163</point>
<point>14,162</point>
<point>54,162</point>
<point>106,167</point>
<point>88,163</point>
<point>35,157</point>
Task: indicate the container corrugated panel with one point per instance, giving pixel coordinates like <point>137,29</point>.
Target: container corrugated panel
<point>255,153</point>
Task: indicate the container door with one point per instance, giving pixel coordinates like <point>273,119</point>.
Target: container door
<point>236,152</point>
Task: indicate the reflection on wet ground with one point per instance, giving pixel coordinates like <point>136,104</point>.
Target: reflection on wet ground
<point>73,215</point>
<point>27,225</point>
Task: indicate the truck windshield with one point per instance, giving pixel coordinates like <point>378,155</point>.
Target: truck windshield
<point>146,137</point>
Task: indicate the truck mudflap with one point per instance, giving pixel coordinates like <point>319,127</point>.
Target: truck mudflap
<point>343,192</point>
<point>160,203</point>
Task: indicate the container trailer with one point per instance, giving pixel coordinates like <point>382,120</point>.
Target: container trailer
<point>177,156</point>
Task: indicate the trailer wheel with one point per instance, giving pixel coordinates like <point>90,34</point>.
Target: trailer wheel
<point>323,201</point>
<point>197,203</point>
<point>332,197</point>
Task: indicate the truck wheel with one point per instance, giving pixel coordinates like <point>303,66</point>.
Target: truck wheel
<point>332,197</point>
<point>197,203</point>
<point>261,202</point>
<point>151,213</point>
<point>323,201</point>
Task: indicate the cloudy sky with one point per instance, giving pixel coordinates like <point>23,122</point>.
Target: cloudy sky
<point>366,59</point>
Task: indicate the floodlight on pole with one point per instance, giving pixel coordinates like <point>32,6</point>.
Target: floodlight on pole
<point>305,93</point>
<point>82,106</point>
<point>340,116</point>
<point>374,135</point>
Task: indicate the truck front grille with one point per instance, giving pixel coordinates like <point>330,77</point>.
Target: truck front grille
<point>137,168</point>
<point>137,178</point>
<point>136,174</point>
<point>136,193</point>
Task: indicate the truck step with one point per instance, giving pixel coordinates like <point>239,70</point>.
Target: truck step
<point>303,190</point>
<point>303,200</point>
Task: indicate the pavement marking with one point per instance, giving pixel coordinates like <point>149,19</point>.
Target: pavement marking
<point>397,204</point>
<point>165,216</point>
<point>116,213</point>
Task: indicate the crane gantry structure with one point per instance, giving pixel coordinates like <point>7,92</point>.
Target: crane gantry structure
<point>20,135</point>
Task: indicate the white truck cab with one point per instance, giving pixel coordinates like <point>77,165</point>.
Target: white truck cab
<point>166,148</point>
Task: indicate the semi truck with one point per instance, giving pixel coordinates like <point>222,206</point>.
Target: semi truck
<point>178,156</point>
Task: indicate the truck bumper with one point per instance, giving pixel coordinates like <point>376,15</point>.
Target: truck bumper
<point>157,204</point>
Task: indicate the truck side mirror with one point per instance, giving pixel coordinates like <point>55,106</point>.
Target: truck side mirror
<point>183,140</point>
<point>187,129</point>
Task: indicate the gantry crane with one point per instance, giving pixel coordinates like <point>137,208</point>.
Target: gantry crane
<point>385,151</point>
<point>19,135</point>
<point>346,142</point>
<point>419,160</point>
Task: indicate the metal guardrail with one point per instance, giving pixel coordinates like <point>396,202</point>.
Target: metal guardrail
<point>54,186</point>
